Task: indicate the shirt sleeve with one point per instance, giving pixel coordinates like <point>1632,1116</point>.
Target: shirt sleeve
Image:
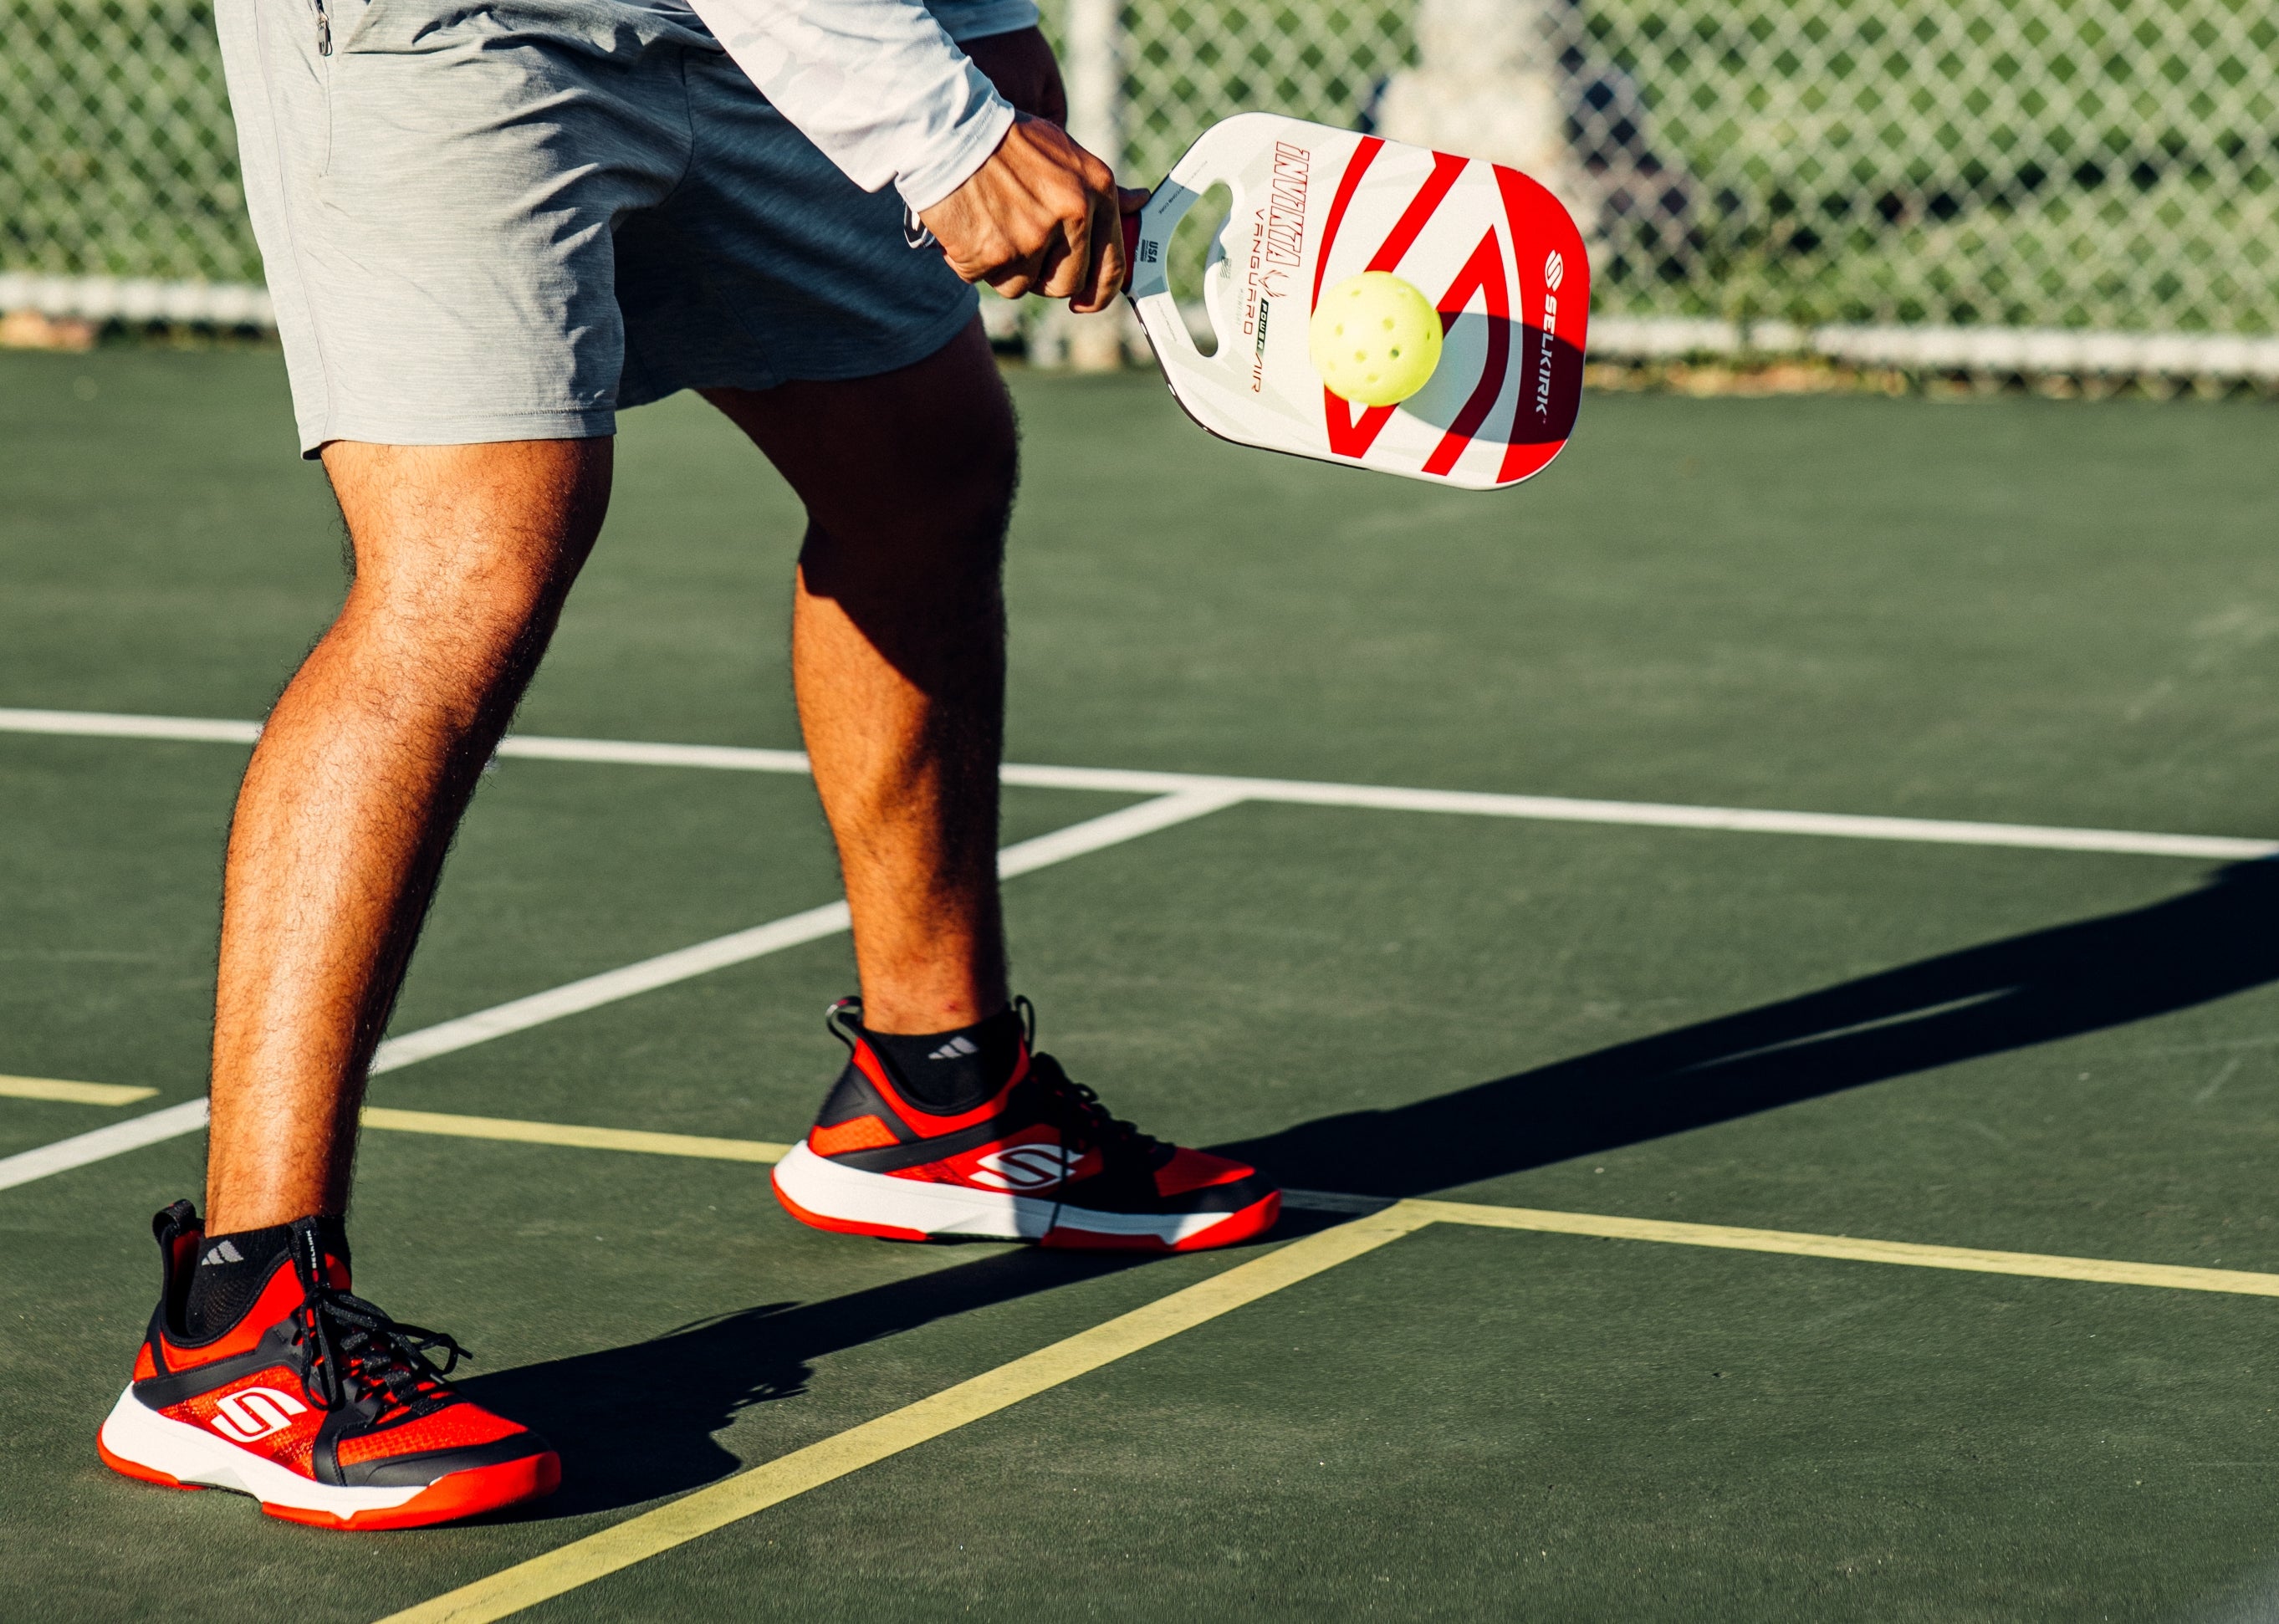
<point>974,19</point>
<point>878,85</point>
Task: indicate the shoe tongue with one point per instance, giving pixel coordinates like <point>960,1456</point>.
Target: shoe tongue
<point>320,1246</point>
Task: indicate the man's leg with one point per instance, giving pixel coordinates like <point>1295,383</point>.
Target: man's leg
<point>898,654</point>
<point>259,1371</point>
<point>462,556</point>
<point>944,1122</point>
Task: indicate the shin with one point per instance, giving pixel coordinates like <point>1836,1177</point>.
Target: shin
<point>899,657</point>
<point>462,556</point>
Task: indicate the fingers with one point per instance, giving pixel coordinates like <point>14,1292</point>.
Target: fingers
<point>1106,279</point>
<point>1087,238</point>
<point>1042,216</point>
<point>992,260</point>
<point>1067,262</point>
<point>1013,267</point>
<point>1096,269</point>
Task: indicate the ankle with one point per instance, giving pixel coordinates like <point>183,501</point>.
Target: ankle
<point>955,1070</point>
<point>889,1015</point>
<point>233,1265</point>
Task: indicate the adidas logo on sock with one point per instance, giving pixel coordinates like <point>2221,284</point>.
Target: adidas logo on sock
<point>226,1252</point>
<point>956,1048</point>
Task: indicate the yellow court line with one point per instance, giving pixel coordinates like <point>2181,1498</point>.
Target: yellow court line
<point>570,1134</point>
<point>2104,1271</point>
<point>73,1093</point>
<point>1968,1260</point>
<point>639,1538</point>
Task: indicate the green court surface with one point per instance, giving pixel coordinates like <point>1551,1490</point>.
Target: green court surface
<point>1995,611</point>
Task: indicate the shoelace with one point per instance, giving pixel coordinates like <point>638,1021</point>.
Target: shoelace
<point>1074,1108</point>
<point>352,1351</point>
<point>1077,1111</point>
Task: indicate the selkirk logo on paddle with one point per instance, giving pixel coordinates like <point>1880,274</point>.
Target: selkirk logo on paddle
<point>1554,272</point>
<point>1495,253</point>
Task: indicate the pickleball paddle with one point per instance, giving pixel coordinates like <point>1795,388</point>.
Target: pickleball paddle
<point>1315,207</point>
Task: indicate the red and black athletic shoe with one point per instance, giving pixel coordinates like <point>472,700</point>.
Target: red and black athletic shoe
<point>314,1402</point>
<point>1040,1160</point>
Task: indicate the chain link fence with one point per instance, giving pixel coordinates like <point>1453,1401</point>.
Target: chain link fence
<point>117,158</point>
<point>2103,165</point>
<point>2089,165</point>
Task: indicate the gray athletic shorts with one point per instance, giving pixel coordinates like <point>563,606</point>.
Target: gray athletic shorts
<point>506,220</point>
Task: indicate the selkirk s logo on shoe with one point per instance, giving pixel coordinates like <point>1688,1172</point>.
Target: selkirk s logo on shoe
<point>1023,1166</point>
<point>253,1414</point>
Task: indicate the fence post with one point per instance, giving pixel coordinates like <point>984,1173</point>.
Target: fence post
<point>1487,83</point>
<point>1095,78</point>
<point>1093,72</point>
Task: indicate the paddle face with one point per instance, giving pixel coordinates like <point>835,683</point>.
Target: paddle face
<point>1493,251</point>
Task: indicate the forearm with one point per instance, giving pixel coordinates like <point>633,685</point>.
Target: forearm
<point>879,86</point>
<point>882,89</point>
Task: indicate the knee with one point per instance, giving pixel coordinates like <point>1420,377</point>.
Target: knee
<point>973,486</point>
<point>466,547</point>
<point>950,477</point>
<point>475,592</point>
<point>983,489</point>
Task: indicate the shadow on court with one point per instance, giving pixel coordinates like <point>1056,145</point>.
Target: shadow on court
<point>660,1402</point>
<point>2033,988</point>
<point>635,1424</point>
<point>667,1398</point>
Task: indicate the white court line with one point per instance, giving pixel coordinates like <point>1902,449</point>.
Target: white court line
<point>727,758</point>
<point>591,992</point>
<point>1292,792</point>
<point>103,1142</point>
<point>817,922</point>
<point>111,724</point>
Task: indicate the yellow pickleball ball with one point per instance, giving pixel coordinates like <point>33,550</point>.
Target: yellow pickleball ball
<point>1375,339</point>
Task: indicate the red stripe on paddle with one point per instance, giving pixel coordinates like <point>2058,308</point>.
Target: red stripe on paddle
<point>1446,167</point>
<point>1482,273</point>
<point>1352,436</point>
<point>1356,166</point>
<point>1528,205</point>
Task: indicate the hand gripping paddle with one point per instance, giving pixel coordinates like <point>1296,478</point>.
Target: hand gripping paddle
<point>1493,250</point>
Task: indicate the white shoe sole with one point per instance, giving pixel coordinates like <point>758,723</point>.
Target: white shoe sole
<point>880,1204</point>
<point>135,1432</point>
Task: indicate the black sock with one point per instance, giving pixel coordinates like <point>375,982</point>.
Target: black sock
<point>233,1268</point>
<point>954,1072</point>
